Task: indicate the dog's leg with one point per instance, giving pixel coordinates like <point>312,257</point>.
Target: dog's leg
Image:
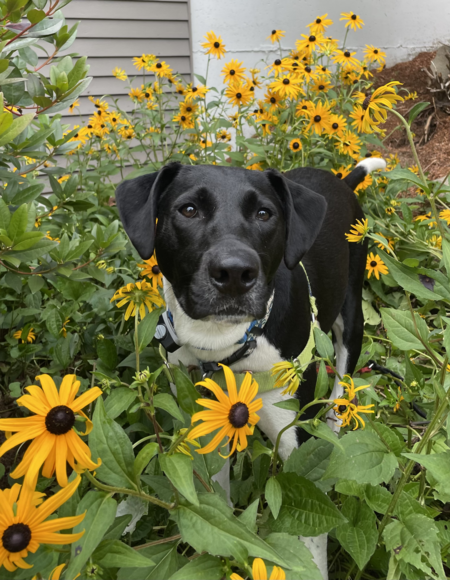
<point>272,420</point>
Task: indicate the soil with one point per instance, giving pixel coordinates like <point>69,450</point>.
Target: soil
<point>434,154</point>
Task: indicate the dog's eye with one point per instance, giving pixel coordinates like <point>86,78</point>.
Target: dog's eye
<point>263,214</point>
<point>189,210</point>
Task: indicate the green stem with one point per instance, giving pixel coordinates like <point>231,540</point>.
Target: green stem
<point>136,340</point>
<point>124,490</point>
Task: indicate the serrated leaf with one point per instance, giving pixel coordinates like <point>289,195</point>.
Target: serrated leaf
<point>310,460</point>
<point>107,353</point>
<point>54,322</point>
<point>167,403</point>
<point>179,470</point>
<point>408,279</point>
<point>401,330</point>
<point>297,555</point>
<point>205,567</point>
<point>438,465</point>
<point>358,536</point>
<point>116,554</point>
<point>166,559</point>
<point>119,401</point>
<point>322,431</point>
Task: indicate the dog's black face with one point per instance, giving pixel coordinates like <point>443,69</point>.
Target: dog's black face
<point>221,233</point>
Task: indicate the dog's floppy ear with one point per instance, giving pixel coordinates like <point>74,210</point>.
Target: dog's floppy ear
<point>304,212</point>
<point>137,202</point>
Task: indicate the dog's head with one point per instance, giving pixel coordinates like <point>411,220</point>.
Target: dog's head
<point>221,233</point>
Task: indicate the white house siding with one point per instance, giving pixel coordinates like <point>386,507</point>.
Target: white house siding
<point>402,28</point>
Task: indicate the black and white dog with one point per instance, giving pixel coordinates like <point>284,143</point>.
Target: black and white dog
<point>229,242</point>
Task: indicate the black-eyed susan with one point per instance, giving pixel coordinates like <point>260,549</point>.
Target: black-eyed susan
<point>115,119</point>
<point>186,121</point>
<point>195,92</point>
<point>319,24</point>
<point>151,270</point>
<point>445,215</point>
<point>346,58</point>
<point>349,143</point>
<point>183,447</point>
<point>73,106</point>
<point>161,69</point>
<point>99,105</point>
<point>289,375</point>
<point>23,525</point>
<point>259,572</point>
<point>28,336</point>
<point>287,86</point>
<point>392,161</point>
<point>119,73</point>
<point>435,241</point>
<point>214,45</point>
<point>310,43</point>
<point>374,54</point>
<point>364,184</point>
<point>127,133</point>
<point>321,85</point>
<point>338,125</point>
<point>361,121</point>
<point>138,296</point>
<point>384,96</point>
<point>295,145</point>
<point>387,244</point>
<point>358,231</point>
<point>303,107</point>
<point>276,35</point>
<point>148,91</point>
<point>364,71</point>
<point>235,414</point>
<point>141,61</point>
<point>412,96</point>
<point>238,94</point>
<point>267,121</point>
<point>233,71</point>
<point>373,153</point>
<point>375,266</point>
<point>136,95</point>
<point>278,66</point>
<point>342,172</point>
<point>180,89</point>
<point>55,441</point>
<point>347,409</point>
<point>390,210</point>
<point>272,99</point>
<point>223,135</point>
<point>319,118</point>
<point>308,73</point>
<point>352,20</point>
<point>188,108</point>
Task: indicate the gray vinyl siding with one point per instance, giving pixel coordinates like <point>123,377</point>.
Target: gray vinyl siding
<point>112,32</point>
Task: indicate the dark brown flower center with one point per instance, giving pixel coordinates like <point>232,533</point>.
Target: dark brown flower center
<point>339,175</point>
<point>317,119</point>
<point>375,51</point>
<point>60,420</point>
<point>307,69</point>
<point>274,31</point>
<point>368,155</point>
<point>114,120</point>
<point>147,95</point>
<point>286,81</point>
<point>354,16</point>
<point>304,107</point>
<point>318,20</point>
<point>321,87</point>
<point>252,89</point>
<point>156,270</point>
<point>239,95</point>
<point>183,118</point>
<point>346,54</point>
<point>216,44</point>
<point>324,68</point>
<point>232,71</point>
<point>238,415</point>
<point>373,264</point>
<point>16,538</point>
<point>277,62</point>
<point>273,100</point>
<point>159,65</point>
<point>295,145</point>
<point>342,408</point>
<point>335,126</point>
<point>188,109</point>
<point>194,89</point>
<point>312,38</point>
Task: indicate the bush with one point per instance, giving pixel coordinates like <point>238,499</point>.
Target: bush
<point>75,301</point>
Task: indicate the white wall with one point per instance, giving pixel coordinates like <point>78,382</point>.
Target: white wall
<point>402,28</point>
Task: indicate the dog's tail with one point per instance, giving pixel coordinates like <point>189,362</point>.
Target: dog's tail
<point>363,168</point>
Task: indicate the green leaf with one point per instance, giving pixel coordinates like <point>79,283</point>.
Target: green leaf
<point>416,110</point>
<point>54,322</point>
<point>306,510</point>
<point>310,460</point>
<point>274,496</point>
<point>5,215</point>
<point>35,16</point>
<point>117,528</point>
<point>324,345</point>
<point>143,458</point>
<point>365,459</point>
<point>107,353</point>
<point>116,554</point>
<point>438,465</point>
<point>401,329</point>
<point>101,511</point>
<point>37,251</point>
<point>27,240</point>
<point>147,327</point>
<point>322,385</point>
<point>322,431</point>
<point>18,126</point>
<point>446,255</point>
<point>35,283</point>
<point>408,279</point>
<point>407,175</point>
<point>18,222</point>
<point>289,405</point>
<point>249,515</point>
<point>205,567</point>
<point>109,442</point>
<point>359,535</point>
<point>378,498</point>
<point>6,120</point>
<point>167,403</point>
<point>297,555</point>
<point>186,392</point>
<point>212,527</point>
<point>179,470</point>
<point>28,194</point>
<point>119,401</point>
<point>166,564</point>
<point>415,541</point>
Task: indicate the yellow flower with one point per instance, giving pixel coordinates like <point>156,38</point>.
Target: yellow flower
<point>411,97</point>
<point>233,71</point>
<point>138,296</point>
<point>362,122</point>
<point>392,161</point>
<point>198,92</point>
<point>390,210</point>
<point>49,237</point>
<point>346,58</point>
<point>151,270</point>
<point>348,408</point>
<point>319,24</point>
<point>259,572</point>
<point>384,96</point>
<point>55,442</point>
<point>30,336</point>
<point>289,376</point>
<point>399,400</point>
<point>295,145</point>
<point>23,527</point>
<point>231,414</point>
<point>214,46</point>
<point>445,215</point>
<point>303,107</point>
<point>276,35</point>
<point>376,266</point>
<point>223,135</point>
<point>368,180</point>
<point>359,231</point>
<point>186,121</point>
<point>119,73</point>
<point>353,20</point>
<point>141,62</point>
<point>63,178</point>
<point>273,100</point>
<point>342,172</point>
<point>388,245</point>
<point>349,143</point>
<point>286,86</point>
<point>338,125</point>
<point>63,330</point>
<point>76,103</point>
<point>238,94</point>
<point>183,447</point>
<point>126,132</point>
<point>136,95</point>
<point>309,43</point>
<point>319,118</point>
<point>161,69</point>
<point>99,105</point>
<point>374,54</point>
<point>435,242</point>
<point>321,85</point>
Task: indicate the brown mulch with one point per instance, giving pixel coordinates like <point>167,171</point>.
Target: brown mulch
<point>434,155</point>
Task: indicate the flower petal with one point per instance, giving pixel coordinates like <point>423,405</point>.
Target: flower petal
<point>231,383</point>
<point>68,389</point>
<point>21,437</point>
<point>86,398</point>
<point>54,502</point>
<point>50,390</point>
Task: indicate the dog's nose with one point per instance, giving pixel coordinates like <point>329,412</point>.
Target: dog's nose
<point>234,275</point>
